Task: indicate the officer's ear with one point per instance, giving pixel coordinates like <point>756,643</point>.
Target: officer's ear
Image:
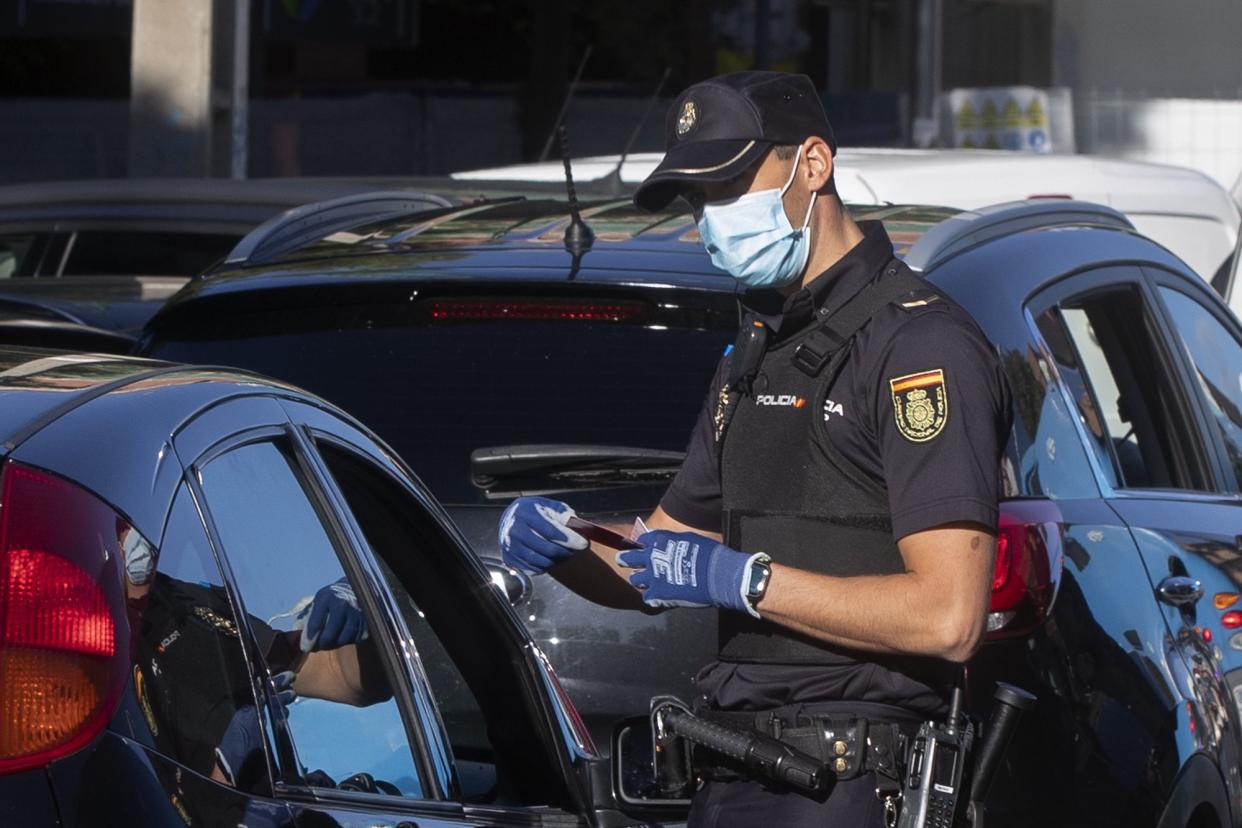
<point>819,166</point>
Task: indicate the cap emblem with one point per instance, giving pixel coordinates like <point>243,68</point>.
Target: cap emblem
<point>689,117</point>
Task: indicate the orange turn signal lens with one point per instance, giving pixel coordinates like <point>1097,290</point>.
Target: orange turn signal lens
<point>46,697</point>
<point>1225,600</point>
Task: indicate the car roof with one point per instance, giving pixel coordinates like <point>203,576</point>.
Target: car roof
<point>962,178</point>
<point>514,240</point>
<point>244,203</point>
<point>106,421</point>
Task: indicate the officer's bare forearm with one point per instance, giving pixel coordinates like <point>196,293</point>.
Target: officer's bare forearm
<point>937,607</point>
<point>350,675</point>
<point>598,577</point>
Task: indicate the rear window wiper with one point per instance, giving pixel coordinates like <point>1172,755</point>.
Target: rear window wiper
<point>503,471</point>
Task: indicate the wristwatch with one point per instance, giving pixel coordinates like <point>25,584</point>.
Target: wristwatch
<point>757,577</point>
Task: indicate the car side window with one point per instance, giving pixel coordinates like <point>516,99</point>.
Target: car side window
<point>190,675</point>
<point>1125,392</point>
<point>144,253</point>
<point>1055,463</point>
<point>1216,357</point>
<point>326,673</point>
<point>475,679</point>
<point>14,251</point>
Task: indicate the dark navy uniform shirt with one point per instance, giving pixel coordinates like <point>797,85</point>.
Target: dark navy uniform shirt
<point>952,475</point>
<point>921,406</point>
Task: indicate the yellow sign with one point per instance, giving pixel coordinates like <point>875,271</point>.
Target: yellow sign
<point>990,120</point>
<point>1013,114</point>
<point>965,117</point>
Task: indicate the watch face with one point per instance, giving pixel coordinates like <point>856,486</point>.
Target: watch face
<point>759,574</point>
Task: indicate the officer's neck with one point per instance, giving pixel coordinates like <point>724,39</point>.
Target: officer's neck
<point>833,234</point>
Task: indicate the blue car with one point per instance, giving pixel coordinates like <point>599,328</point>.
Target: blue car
<point>499,360</point>
<point>169,536</point>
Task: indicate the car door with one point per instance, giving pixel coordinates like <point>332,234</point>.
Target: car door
<point>507,768</point>
<point>1160,462</point>
<point>351,748</point>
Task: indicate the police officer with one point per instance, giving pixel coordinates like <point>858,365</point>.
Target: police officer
<point>185,639</point>
<point>838,500</point>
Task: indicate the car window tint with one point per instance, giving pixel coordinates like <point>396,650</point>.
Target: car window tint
<point>475,678</point>
<point>144,253</point>
<point>437,391</point>
<point>1127,399</point>
<point>1217,359</point>
<point>1055,464</point>
<point>344,721</point>
<point>190,675</point>
<point>14,250</point>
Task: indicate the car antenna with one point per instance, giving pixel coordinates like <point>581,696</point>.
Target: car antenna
<point>569,95</point>
<point>613,179</point>
<point>578,236</point>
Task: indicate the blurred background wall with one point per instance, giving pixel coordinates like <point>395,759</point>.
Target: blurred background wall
<point>106,88</point>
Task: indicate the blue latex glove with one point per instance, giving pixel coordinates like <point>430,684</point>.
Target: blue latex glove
<point>533,534</point>
<point>332,619</point>
<point>684,569</point>
<point>244,735</point>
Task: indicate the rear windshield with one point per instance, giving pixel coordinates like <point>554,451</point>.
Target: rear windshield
<point>436,390</point>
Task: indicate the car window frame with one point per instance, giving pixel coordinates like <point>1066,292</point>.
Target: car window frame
<point>434,795</point>
<point>321,422</point>
<point>1202,294</point>
<point>1101,278</point>
<point>249,643</point>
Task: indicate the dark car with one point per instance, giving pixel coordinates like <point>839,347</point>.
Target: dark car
<point>163,526</point>
<point>500,361</point>
<point>83,264</point>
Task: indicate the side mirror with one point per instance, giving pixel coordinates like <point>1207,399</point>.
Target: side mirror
<point>633,769</point>
<point>513,584</point>
<point>1030,554</point>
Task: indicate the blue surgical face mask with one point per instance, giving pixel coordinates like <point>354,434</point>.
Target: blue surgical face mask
<point>751,239</point>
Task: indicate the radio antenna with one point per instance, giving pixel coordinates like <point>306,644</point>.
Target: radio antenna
<point>613,179</point>
<point>578,236</point>
<point>569,95</point>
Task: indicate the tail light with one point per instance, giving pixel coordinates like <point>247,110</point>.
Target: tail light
<point>525,310</point>
<point>63,632</point>
<point>1029,556</point>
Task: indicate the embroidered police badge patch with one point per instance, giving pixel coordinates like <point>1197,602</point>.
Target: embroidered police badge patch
<point>920,404</point>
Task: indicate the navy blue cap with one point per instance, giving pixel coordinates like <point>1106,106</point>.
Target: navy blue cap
<point>718,128</point>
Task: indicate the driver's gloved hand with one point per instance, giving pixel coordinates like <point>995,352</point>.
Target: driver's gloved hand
<point>533,534</point>
<point>685,569</point>
<point>332,619</point>
<point>243,738</point>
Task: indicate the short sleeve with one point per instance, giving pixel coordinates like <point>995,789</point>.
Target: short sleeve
<point>942,419</point>
<point>694,497</point>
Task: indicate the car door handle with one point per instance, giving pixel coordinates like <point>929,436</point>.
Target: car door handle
<point>1180,590</point>
<point>514,584</point>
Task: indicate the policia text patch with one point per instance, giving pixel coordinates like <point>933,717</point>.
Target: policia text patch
<point>920,404</point>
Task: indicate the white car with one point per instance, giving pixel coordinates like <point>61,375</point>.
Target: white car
<point>1182,209</point>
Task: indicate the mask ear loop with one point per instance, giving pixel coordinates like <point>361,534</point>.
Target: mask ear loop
<point>806,221</point>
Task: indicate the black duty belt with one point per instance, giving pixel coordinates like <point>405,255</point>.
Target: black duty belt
<point>848,743</point>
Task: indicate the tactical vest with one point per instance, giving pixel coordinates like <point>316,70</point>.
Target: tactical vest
<point>788,492</point>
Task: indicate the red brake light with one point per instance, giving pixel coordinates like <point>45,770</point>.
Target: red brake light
<point>1029,556</point>
<point>493,310</point>
<point>580,732</point>
<point>1231,620</point>
<point>62,627</point>
<point>1001,575</point>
